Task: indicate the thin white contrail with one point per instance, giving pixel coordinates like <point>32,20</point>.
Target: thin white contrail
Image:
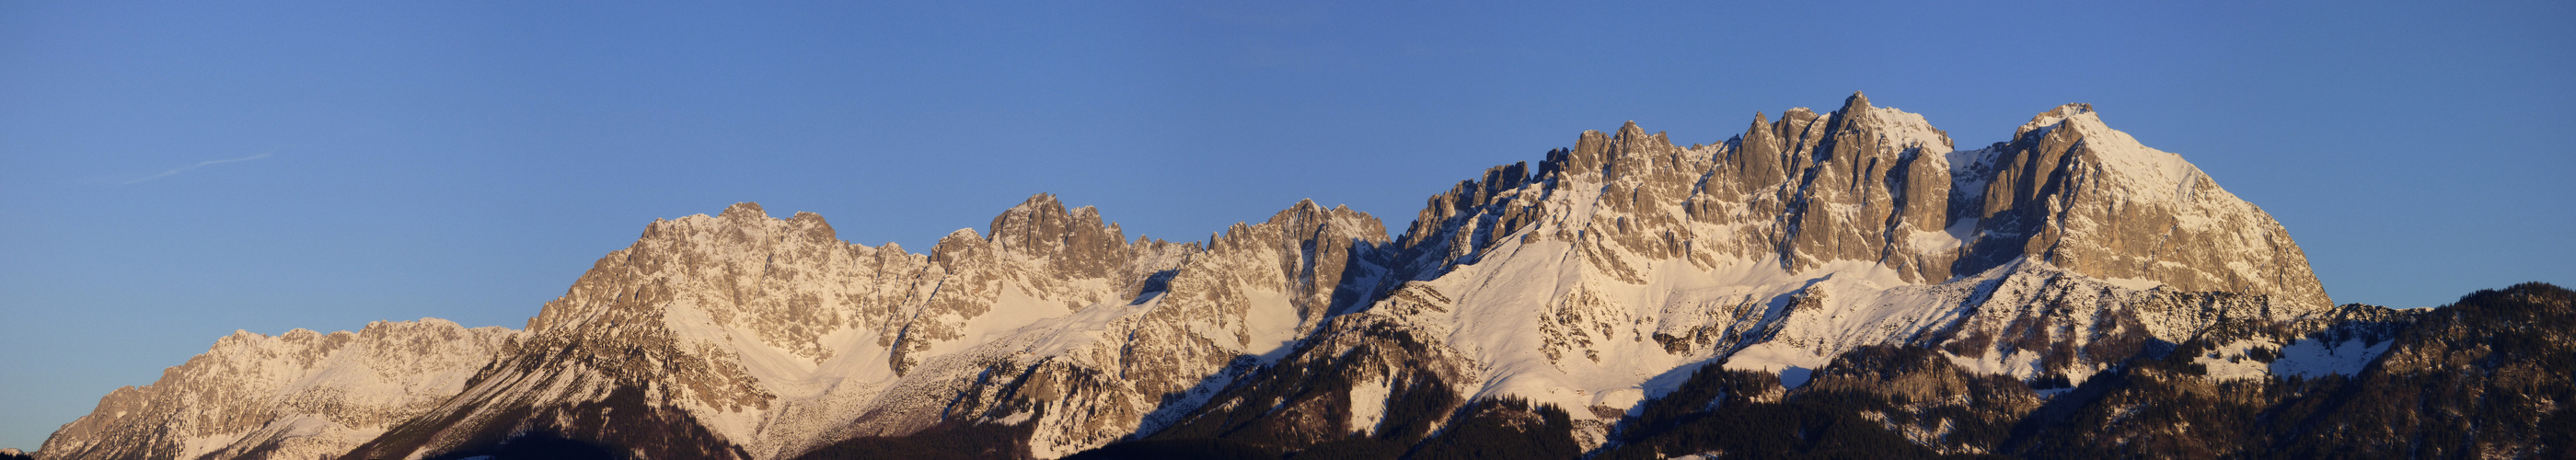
<point>175,171</point>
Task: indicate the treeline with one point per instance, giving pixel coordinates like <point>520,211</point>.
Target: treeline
<point>2485,377</point>
<point>1748,414</point>
<point>541,446</point>
<point>946,442</point>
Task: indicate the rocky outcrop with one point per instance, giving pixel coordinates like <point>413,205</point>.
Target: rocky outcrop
<point>301,394</point>
<point>2080,195</point>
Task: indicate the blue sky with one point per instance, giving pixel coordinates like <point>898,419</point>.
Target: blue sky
<point>171,172</point>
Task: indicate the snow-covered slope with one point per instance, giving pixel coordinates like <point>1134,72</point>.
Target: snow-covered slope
<point>301,394</point>
<point>1818,233</point>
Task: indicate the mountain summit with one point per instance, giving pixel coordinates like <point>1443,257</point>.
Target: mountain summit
<point>1607,300</point>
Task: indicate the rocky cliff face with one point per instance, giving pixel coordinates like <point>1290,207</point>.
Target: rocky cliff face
<point>1881,186</point>
<point>301,394</point>
<point>776,338</point>
<point>2070,190</point>
<point>1851,255</point>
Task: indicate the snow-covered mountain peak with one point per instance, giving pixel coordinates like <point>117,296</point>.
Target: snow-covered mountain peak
<point>299,394</point>
<point>1589,281</point>
<point>743,210</point>
<point>2051,118</point>
<point>1629,132</point>
<point>1076,240</point>
<point>2089,198</point>
<point>2159,172</point>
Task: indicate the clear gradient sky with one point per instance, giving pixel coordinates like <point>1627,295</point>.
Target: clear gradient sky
<point>172,172</point>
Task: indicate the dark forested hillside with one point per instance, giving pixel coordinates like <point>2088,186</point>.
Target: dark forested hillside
<point>2480,378</point>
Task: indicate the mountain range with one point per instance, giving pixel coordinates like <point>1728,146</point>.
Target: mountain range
<point>1841,284</point>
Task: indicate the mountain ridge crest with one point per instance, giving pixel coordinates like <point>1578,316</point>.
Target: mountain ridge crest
<point>1596,280</point>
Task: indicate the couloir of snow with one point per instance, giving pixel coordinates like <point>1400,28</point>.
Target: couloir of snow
<point>1368,404</point>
